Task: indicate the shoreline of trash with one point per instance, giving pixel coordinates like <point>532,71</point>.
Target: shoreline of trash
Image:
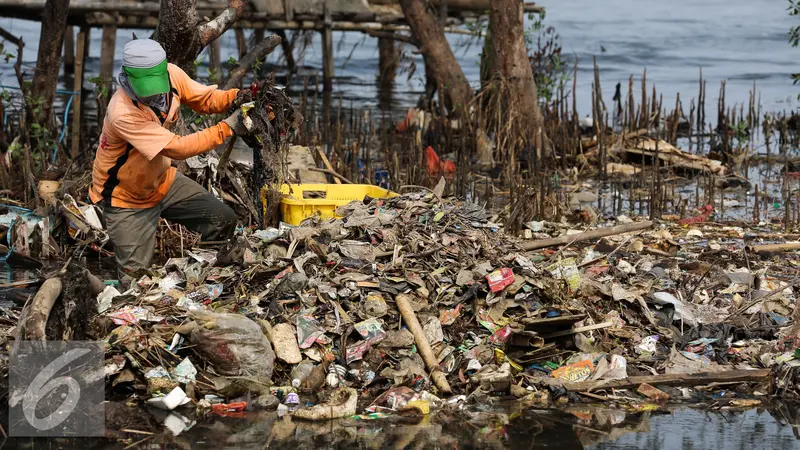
<point>410,304</point>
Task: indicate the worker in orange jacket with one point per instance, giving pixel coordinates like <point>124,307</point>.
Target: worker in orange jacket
<point>133,179</point>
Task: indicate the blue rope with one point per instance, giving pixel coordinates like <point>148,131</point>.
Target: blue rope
<point>64,129</point>
<point>71,94</point>
<point>8,238</point>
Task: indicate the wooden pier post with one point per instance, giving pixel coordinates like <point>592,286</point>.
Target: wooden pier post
<point>107,52</point>
<point>241,42</point>
<point>69,50</point>
<point>80,59</point>
<point>327,52</point>
<point>215,63</point>
<point>388,59</point>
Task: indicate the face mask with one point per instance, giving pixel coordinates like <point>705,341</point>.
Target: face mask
<point>152,99</point>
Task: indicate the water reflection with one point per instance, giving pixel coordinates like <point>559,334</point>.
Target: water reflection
<point>576,427</point>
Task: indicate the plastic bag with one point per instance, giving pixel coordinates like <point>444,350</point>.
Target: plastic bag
<point>236,346</point>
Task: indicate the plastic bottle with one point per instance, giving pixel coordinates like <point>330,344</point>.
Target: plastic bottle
<point>301,372</point>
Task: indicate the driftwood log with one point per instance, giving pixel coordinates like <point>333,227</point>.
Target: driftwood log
<point>33,320</point>
<point>774,248</point>
<point>588,235</point>
<point>39,310</point>
<point>682,379</point>
<point>424,347</point>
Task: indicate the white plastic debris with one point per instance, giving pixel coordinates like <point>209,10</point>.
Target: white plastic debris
<point>682,312</point>
<point>694,232</point>
<point>104,298</point>
<point>175,398</point>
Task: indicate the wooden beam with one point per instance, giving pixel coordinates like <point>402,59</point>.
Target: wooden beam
<point>80,60</point>
<point>679,379</point>
<point>463,5</point>
<point>107,52</point>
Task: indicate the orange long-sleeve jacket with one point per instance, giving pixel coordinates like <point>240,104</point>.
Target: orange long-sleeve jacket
<point>133,166</point>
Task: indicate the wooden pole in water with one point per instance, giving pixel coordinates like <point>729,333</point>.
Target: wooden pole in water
<point>69,50</point>
<point>215,60</point>
<point>388,59</point>
<point>327,52</point>
<point>107,52</point>
<point>241,42</point>
<point>80,59</point>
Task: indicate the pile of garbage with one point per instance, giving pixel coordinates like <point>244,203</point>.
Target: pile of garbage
<point>417,302</point>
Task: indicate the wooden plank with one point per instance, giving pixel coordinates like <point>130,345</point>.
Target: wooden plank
<point>327,164</point>
<point>80,59</point>
<point>107,53</point>
<point>680,379</point>
<point>464,5</point>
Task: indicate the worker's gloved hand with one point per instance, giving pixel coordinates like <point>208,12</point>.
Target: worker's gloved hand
<point>235,122</point>
<point>242,97</point>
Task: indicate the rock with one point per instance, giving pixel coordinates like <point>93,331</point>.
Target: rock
<point>266,402</point>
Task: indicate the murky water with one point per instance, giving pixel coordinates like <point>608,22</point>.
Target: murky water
<point>584,428</point>
<point>740,41</point>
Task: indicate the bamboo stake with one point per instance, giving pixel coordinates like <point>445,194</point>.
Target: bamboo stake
<point>424,347</point>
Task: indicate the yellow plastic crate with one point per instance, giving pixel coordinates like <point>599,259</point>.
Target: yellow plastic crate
<point>295,207</point>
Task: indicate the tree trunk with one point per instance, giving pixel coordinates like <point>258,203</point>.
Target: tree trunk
<point>183,36</point>
<point>438,55</point>
<point>48,61</point>
<point>509,58</point>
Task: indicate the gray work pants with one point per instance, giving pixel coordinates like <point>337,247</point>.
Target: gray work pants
<point>133,231</point>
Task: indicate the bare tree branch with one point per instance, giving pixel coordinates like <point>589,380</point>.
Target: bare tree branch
<point>214,29</point>
<point>261,50</point>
